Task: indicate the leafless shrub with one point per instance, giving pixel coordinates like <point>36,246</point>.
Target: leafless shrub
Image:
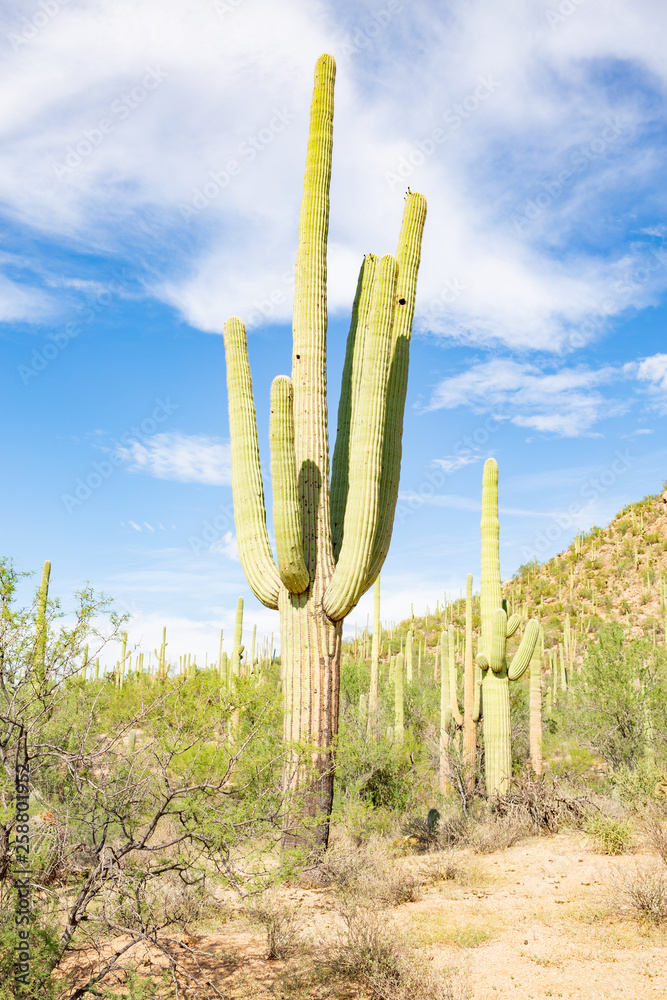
<point>543,803</point>
<point>282,925</point>
<point>656,828</point>
<point>642,892</point>
<point>368,872</point>
<point>497,833</point>
<point>365,952</point>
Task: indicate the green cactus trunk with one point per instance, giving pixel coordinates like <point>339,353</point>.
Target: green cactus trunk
<point>470,692</point>
<point>375,665</point>
<point>408,656</point>
<point>399,710</point>
<point>238,639</point>
<point>331,539</point>
<point>492,659</point>
<point>535,704</point>
<point>39,661</point>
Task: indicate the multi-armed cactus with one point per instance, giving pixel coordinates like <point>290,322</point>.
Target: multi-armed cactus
<point>331,542</point>
<point>492,655</point>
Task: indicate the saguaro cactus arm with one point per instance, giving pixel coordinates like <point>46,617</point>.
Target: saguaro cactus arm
<point>309,375</point>
<point>286,509</point>
<point>363,512</point>
<point>247,487</point>
<point>352,368</point>
<point>521,659</point>
<point>408,257</point>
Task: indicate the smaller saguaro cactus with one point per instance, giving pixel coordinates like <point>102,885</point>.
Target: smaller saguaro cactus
<point>238,639</point>
<point>375,664</point>
<point>492,655</point>
<point>162,657</point>
<point>535,723</point>
<point>408,656</point>
<point>39,662</point>
<point>445,713</point>
<point>399,717</point>
<point>120,677</point>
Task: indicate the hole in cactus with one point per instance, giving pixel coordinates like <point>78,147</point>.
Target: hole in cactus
<point>401,302</point>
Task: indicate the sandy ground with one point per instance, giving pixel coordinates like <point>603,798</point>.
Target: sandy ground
<point>539,919</point>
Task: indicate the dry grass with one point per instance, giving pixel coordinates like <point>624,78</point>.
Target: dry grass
<point>642,892</point>
<point>369,873</point>
<point>282,925</point>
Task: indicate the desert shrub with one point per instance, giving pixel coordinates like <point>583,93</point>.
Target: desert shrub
<point>362,950</point>
<point>609,835</point>
<point>282,925</point>
<point>656,829</point>
<point>618,700</point>
<point>543,803</point>
<point>368,872</point>
<point>365,953</point>
<point>643,893</point>
<point>497,832</point>
<point>44,947</point>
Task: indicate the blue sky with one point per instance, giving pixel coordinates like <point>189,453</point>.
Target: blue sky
<point>150,176</point>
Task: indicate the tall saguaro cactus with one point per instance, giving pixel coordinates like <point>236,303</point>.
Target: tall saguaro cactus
<point>331,542</point>
<point>492,658</point>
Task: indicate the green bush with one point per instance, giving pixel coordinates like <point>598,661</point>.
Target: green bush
<point>610,836</point>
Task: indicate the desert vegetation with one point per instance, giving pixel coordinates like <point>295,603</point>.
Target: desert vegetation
<point>470,802</point>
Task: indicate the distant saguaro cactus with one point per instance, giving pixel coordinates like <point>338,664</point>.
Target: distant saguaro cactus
<point>331,542</point>
<point>491,658</point>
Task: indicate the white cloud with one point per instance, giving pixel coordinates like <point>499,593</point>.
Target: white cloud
<point>226,82</point>
<point>186,458</point>
<point>564,402</point>
<point>452,463</point>
<point>227,546</point>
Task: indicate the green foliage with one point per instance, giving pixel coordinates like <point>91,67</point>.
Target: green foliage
<point>44,936</point>
<point>618,700</point>
<point>610,836</point>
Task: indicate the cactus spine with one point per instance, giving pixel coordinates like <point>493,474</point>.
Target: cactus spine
<point>496,629</point>
<point>332,541</point>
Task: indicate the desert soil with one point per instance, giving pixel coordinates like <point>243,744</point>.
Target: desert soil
<point>538,919</point>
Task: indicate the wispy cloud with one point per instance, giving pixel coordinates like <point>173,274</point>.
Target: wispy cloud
<point>653,370</point>
<point>185,458</point>
<point>565,402</point>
